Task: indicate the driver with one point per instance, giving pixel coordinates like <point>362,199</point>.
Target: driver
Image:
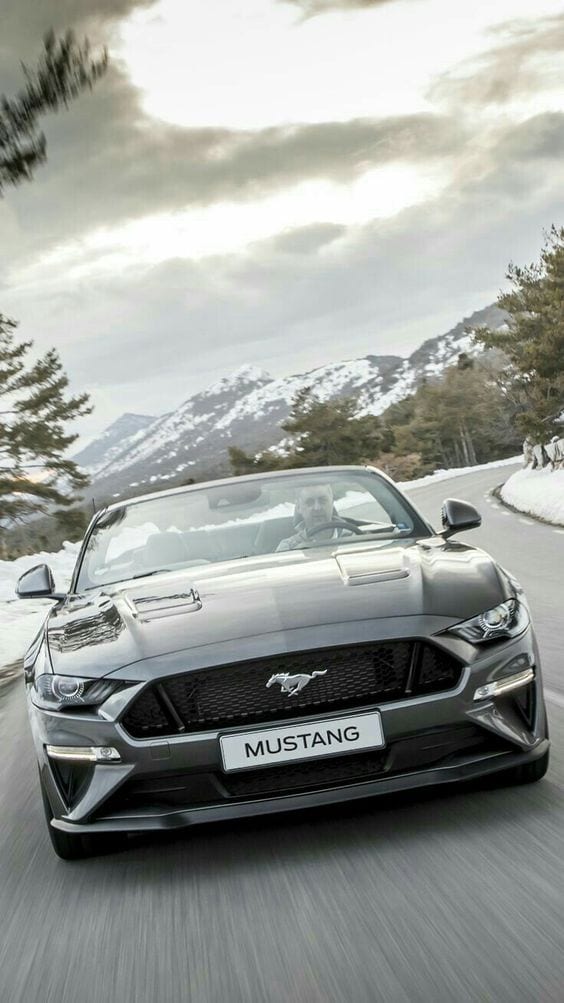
<point>314,507</point>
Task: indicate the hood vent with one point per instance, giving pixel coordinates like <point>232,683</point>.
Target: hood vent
<point>368,566</point>
<point>155,607</point>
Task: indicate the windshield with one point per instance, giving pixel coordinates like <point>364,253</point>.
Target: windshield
<point>244,518</point>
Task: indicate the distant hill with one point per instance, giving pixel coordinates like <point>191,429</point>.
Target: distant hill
<point>101,451</point>
<point>246,408</point>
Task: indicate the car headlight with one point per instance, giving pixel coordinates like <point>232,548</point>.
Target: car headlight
<point>508,619</point>
<point>52,692</point>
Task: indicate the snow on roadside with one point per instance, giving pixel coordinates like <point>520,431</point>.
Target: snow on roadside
<point>20,619</point>
<point>445,475</point>
<point>61,564</point>
<point>537,492</point>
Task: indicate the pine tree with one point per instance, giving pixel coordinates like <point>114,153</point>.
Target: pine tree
<point>34,407</point>
<point>534,341</point>
<point>72,522</point>
<point>34,414</point>
<point>328,433</point>
<point>322,433</point>
<point>63,71</point>
<point>246,463</point>
<point>457,420</point>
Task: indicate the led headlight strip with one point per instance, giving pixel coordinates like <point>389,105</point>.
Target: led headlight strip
<point>505,685</point>
<point>84,753</point>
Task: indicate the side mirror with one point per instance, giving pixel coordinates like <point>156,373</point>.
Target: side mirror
<point>37,583</point>
<point>458,515</point>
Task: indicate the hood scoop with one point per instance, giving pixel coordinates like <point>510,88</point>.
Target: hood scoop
<point>157,606</point>
<point>367,566</point>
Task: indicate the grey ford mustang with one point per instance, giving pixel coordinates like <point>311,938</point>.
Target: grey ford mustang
<point>273,642</point>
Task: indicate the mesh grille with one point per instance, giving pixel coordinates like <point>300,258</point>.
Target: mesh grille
<point>320,773</point>
<point>230,695</point>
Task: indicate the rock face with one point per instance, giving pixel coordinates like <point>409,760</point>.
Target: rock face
<point>247,407</point>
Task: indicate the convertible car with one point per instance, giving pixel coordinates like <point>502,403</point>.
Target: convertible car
<point>273,642</point>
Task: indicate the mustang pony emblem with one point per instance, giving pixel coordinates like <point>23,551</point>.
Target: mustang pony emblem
<point>293,684</point>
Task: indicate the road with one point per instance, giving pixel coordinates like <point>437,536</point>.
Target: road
<point>457,896</point>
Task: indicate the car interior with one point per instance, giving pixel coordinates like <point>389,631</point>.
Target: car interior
<point>224,523</point>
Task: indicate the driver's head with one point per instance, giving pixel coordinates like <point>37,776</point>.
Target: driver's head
<point>314,505</point>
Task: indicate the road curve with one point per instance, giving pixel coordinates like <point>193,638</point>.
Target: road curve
<point>457,896</point>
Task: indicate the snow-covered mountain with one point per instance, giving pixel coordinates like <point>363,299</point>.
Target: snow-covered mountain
<point>102,450</point>
<point>246,408</point>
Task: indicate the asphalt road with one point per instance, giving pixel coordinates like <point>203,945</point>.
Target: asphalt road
<point>450,897</point>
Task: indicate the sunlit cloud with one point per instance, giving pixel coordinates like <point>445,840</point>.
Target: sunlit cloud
<point>259,64</point>
<point>231,226</point>
<point>267,179</point>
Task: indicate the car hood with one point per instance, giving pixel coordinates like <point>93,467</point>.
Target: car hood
<point>272,597</point>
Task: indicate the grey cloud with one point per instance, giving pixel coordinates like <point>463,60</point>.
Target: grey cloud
<point>109,163</point>
<point>307,239</point>
<point>517,66</point>
<point>538,138</point>
<point>305,297</point>
<point>515,160</point>
<point>23,23</point>
<point>299,300</point>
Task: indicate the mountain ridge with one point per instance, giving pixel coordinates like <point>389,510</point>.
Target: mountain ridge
<point>246,407</point>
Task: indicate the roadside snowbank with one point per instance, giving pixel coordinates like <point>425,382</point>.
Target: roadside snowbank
<point>445,475</point>
<point>61,564</point>
<point>21,619</point>
<point>537,492</point>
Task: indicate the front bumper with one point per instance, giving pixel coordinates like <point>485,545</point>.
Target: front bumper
<point>181,818</point>
<point>179,781</point>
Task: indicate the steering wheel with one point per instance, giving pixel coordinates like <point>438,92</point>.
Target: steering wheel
<point>334,524</point>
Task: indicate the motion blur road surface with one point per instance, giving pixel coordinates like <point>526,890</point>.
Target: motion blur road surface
<point>435,897</point>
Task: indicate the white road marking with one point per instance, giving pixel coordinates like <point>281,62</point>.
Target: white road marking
<point>556,698</point>
<point>559,530</point>
<point>495,505</point>
<point>506,513</point>
<point>527,522</point>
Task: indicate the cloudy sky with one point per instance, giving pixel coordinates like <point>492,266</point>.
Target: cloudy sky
<point>282,182</point>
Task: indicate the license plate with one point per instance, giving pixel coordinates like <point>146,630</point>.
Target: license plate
<point>311,740</point>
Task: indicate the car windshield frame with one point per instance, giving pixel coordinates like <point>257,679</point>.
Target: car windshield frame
<point>246,488</point>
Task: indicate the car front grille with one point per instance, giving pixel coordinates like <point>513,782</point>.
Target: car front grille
<point>231,695</point>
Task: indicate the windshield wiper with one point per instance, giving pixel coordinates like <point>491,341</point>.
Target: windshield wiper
<point>147,574</point>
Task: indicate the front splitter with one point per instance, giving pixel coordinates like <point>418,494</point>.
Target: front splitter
<point>184,817</point>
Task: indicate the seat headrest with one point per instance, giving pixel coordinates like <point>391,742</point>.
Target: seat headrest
<point>164,548</point>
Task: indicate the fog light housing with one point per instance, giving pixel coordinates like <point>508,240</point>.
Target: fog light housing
<point>84,753</point>
<point>501,686</point>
